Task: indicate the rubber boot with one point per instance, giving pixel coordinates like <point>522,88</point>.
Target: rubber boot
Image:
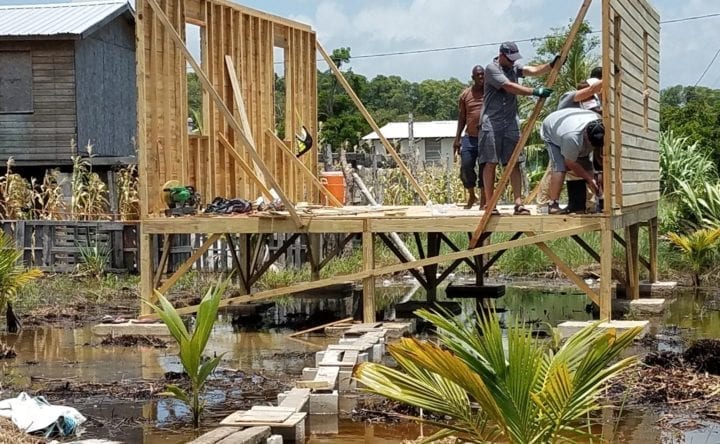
<point>577,196</point>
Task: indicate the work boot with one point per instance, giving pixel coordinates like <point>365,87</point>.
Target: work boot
<point>577,196</point>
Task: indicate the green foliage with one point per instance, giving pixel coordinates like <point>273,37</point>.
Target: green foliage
<point>95,257</point>
<point>195,94</point>
<point>700,207</point>
<point>15,194</point>
<point>699,249</point>
<point>524,393</point>
<point>693,112</point>
<point>192,346</point>
<point>683,163</point>
<point>89,192</point>
<point>13,275</point>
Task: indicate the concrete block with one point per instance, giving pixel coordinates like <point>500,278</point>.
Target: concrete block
<point>568,328</point>
<point>649,305</point>
<point>319,357</point>
<point>650,290</point>
<point>308,373</point>
<point>345,381</point>
<point>324,403</point>
<point>362,357</point>
<point>347,403</point>
<point>291,429</point>
<point>275,439</point>
<point>323,424</point>
<point>378,350</point>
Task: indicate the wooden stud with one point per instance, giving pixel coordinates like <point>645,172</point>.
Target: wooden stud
<point>147,292</point>
<point>315,253</point>
<point>632,285</point>
<point>529,125</point>
<point>163,260</point>
<point>608,74</point>
<point>373,125</point>
<point>617,201</point>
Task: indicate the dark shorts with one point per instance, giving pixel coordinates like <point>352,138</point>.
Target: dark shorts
<point>498,146</point>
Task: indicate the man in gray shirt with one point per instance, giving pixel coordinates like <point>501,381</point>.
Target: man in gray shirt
<point>499,125</point>
<point>570,135</point>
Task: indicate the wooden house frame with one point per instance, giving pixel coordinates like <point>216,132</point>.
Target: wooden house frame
<point>240,156</point>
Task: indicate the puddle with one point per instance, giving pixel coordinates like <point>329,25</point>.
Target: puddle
<point>75,356</point>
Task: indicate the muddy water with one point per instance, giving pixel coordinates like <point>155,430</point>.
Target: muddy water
<point>74,355</point>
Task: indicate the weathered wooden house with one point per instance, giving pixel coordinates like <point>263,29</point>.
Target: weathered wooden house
<point>67,73</point>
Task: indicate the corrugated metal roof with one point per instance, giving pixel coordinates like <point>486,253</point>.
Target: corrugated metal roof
<point>68,20</point>
<point>421,130</point>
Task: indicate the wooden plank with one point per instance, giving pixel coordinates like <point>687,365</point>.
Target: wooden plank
<point>291,422</point>
<point>529,126</point>
<point>569,273</point>
<point>368,296</point>
<point>320,327</point>
<point>185,266</point>
<point>605,304</point>
<point>301,166</point>
<point>251,435</point>
<point>388,147</point>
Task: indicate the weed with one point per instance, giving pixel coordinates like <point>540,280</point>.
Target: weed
<point>89,192</point>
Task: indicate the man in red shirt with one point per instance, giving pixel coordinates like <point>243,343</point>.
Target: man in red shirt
<point>470,105</point>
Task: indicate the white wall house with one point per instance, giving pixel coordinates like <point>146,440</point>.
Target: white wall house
<point>433,140</point>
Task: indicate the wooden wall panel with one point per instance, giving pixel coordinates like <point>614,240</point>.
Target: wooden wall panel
<point>248,36</point>
<point>633,47</point>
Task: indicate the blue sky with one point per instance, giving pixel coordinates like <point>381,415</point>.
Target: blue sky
<point>381,26</point>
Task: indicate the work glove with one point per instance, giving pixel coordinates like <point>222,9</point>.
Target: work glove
<point>542,91</point>
<point>554,61</point>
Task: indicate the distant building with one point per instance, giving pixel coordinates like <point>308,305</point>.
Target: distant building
<point>67,71</point>
<point>433,140</point>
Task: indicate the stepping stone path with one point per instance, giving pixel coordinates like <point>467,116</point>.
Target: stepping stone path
<point>317,394</point>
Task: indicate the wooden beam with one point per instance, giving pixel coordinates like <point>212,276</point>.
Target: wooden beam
<point>608,73</point>
<point>577,280</point>
<point>606,237</point>
<point>182,269</point>
<point>147,292</point>
<point>632,286</point>
<point>224,110</point>
<point>624,244</point>
<point>529,126</point>
<point>369,281</point>
<point>306,286</point>
<point>341,78</point>
<point>585,246</point>
<point>244,166</point>
<point>293,159</point>
<point>318,327</point>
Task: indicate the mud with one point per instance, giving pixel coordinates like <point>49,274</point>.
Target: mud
<point>133,341</point>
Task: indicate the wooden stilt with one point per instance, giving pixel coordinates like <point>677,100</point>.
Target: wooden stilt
<point>314,248</point>
<point>147,290</point>
<point>244,259</point>
<point>633,263</point>
<point>606,238</point>
<point>369,281</point>
<point>240,273</point>
<point>653,243</point>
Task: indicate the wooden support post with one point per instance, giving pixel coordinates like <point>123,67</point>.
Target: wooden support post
<point>653,243</point>
<point>241,275</point>
<point>632,284</point>
<point>369,281</point>
<point>433,250</point>
<point>606,259</point>
<point>163,260</point>
<point>622,242</point>
<point>304,169</point>
<point>215,96</point>
<point>388,147</point>
<point>529,126</point>
<point>185,266</point>
<point>314,251</point>
<point>580,241</point>
<point>147,290</point>
<point>244,259</point>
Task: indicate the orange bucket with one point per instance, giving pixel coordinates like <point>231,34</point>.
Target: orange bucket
<point>334,181</point>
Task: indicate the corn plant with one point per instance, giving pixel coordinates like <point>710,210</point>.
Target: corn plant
<point>49,202</point>
<point>15,194</point>
<point>128,195</point>
<point>13,275</point>
<point>699,249</point>
<point>89,192</point>
<point>192,346</point>
<point>496,389</point>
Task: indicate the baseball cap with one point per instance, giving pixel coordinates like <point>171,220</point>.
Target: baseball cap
<point>510,50</point>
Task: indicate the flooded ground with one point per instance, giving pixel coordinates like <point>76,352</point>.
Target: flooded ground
<point>72,365</point>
